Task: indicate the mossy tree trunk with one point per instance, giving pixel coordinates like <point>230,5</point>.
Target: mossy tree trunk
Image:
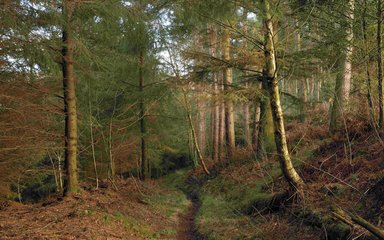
<point>265,139</point>
<point>71,184</point>
<point>288,170</point>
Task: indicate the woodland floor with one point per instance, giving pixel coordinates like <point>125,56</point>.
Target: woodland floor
<point>134,211</point>
<point>346,172</point>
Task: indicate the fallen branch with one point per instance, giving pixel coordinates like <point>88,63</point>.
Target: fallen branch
<point>344,217</point>
<point>367,225</point>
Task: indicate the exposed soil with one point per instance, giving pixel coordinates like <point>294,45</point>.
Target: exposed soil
<point>188,229</point>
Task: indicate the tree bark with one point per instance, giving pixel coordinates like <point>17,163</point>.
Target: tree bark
<point>215,100</point>
<point>343,79</point>
<point>368,77</point>
<point>247,123</point>
<point>144,160</point>
<point>194,137</point>
<point>71,179</point>
<point>201,120</point>
<point>229,111</point>
<point>379,66</point>
<point>288,170</point>
<point>265,139</point>
<point>256,122</point>
<point>91,135</point>
<point>222,127</point>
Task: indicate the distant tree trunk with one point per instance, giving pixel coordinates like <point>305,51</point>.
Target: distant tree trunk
<point>201,120</point>
<point>144,160</point>
<point>271,76</point>
<point>194,137</point>
<point>304,99</point>
<point>112,165</point>
<point>368,80</point>
<point>256,122</point>
<point>92,138</point>
<point>222,127</point>
<point>343,79</point>
<point>265,139</point>
<point>379,66</point>
<point>229,111</point>
<point>71,184</point>
<point>247,84</point>
<point>215,101</point>
<point>318,90</point>
<point>247,123</point>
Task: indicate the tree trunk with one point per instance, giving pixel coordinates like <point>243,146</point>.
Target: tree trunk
<point>91,135</point>
<point>271,76</point>
<point>215,101</point>
<point>368,79</point>
<point>247,123</point>
<point>194,137</point>
<point>379,66</point>
<point>222,127</point>
<point>256,122</point>
<point>144,160</point>
<point>304,99</point>
<point>71,179</point>
<point>112,165</point>
<point>343,79</point>
<point>265,139</point>
<point>201,120</point>
<point>229,111</point>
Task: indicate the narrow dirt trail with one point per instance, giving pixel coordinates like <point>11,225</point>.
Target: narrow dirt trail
<point>188,228</point>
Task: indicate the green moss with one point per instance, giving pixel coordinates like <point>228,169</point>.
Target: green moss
<point>169,203</point>
<point>131,223</point>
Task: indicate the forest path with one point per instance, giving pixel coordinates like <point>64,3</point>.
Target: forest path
<point>187,228</point>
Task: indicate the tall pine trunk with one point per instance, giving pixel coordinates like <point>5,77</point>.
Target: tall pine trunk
<point>201,119</point>
<point>229,110</point>
<point>222,127</point>
<point>256,118</point>
<point>215,100</point>
<point>368,77</point>
<point>144,160</point>
<point>343,79</point>
<point>265,138</point>
<point>271,76</point>
<point>379,66</point>
<point>71,184</point>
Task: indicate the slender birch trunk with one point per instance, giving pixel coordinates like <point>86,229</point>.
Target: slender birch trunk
<point>271,76</point>
<point>194,137</point>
